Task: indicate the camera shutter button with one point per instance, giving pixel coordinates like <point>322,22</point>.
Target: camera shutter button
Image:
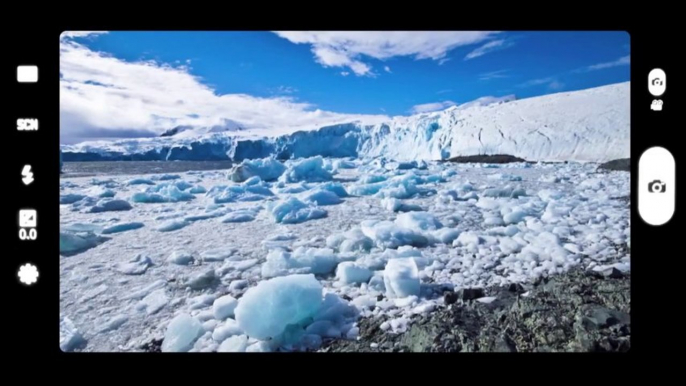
<point>656,186</point>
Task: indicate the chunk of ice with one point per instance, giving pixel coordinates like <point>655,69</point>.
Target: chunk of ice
<point>236,343</point>
<point>266,310</point>
<point>110,205</point>
<point>172,225</point>
<point>70,336</point>
<point>122,227</point>
<point>293,211</point>
<point>418,221</point>
<point>308,169</point>
<point>181,334</point>
<point>321,197</point>
<point>401,278</point>
<point>228,329</point>
<point>386,234</point>
<point>136,266</point>
<point>267,169</point>
<point>350,273</point>
<point>180,258</point>
<point>224,307</point>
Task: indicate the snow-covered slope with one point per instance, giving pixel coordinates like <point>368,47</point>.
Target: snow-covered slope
<point>586,125</point>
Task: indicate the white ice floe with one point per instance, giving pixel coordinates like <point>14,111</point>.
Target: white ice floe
<point>292,211</point>
<point>454,237</point>
<point>136,266</point>
<point>350,273</point>
<point>268,309</point>
<point>181,334</point>
<point>267,169</point>
<point>401,278</point>
<point>308,169</point>
<point>70,336</point>
<point>302,260</point>
<point>224,307</point>
<point>122,227</point>
<point>110,205</point>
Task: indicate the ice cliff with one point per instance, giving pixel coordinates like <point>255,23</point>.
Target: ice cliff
<point>586,125</point>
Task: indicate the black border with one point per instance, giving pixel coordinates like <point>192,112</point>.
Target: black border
<point>35,309</point>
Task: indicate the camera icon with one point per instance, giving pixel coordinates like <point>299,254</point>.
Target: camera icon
<point>657,82</point>
<point>657,186</point>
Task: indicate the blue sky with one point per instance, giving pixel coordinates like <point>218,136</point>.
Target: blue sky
<point>335,73</point>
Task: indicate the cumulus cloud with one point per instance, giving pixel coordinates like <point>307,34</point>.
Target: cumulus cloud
<point>353,49</point>
<point>623,61</point>
<point>387,69</point>
<point>495,45</point>
<point>430,107</point>
<point>117,98</point>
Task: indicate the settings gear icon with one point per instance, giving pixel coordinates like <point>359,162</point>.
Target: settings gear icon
<point>28,274</point>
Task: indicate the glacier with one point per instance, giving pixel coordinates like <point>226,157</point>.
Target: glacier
<point>587,125</point>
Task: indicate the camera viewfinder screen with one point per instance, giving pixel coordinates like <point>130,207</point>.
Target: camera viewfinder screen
<point>338,191</point>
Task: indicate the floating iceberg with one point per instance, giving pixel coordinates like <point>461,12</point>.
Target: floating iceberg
<point>268,169</point>
<point>321,197</point>
<point>292,211</point>
<point>73,243</point>
<point>122,227</point>
<point>401,278</point>
<point>308,169</point>
<point>267,310</point>
<point>387,234</point>
<point>166,192</point>
<point>181,333</point>
<point>110,205</point>
<point>349,273</point>
<point>318,261</point>
<point>238,193</point>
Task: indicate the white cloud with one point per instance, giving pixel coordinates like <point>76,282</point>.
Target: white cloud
<point>285,90</point>
<point>623,61</point>
<point>551,82</point>
<point>491,46</point>
<point>387,69</point>
<point>350,49</point>
<point>102,94</point>
<point>429,107</point>
<point>345,73</point>
<point>556,85</point>
<point>80,34</point>
<point>494,75</point>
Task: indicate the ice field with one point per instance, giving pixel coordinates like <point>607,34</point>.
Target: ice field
<point>284,256</point>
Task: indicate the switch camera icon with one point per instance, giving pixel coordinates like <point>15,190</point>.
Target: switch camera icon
<point>657,186</point>
<point>657,82</point>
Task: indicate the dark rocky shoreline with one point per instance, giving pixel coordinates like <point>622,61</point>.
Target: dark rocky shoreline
<point>580,311</point>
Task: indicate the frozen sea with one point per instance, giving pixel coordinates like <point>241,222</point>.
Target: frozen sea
<point>90,169</point>
<point>203,260</point>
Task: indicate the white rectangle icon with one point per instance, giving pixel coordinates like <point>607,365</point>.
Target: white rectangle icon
<point>28,218</point>
<point>27,74</point>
